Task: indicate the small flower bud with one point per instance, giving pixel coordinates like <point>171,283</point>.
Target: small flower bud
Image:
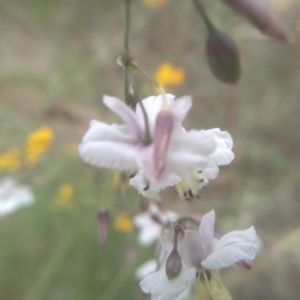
<point>103,221</point>
<point>223,57</point>
<point>173,265</point>
<point>162,136</point>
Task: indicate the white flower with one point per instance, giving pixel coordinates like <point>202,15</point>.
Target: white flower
<point>158,283</point>
<point>13,196</point>
<point>201,249</point>
<point>160,155</point>
<point>161,288</point>
<point>151,222</point>
<point>190,185</point>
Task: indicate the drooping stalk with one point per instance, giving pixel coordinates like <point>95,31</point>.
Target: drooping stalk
<point>208,23</point>
<point>126,48</point>
<point>147,137</point>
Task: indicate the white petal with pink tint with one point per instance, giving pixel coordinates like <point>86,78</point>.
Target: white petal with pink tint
<point>161,288</point>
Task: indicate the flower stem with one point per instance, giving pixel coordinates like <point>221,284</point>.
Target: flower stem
<point>127,24</point>
<point>126,47</point>
<point>148,139</point>
<point>208,23</point>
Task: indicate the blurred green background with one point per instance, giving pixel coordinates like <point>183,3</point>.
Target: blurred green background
<point>57,59</point>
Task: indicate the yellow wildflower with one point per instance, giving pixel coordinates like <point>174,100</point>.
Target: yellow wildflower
<point>64,198</point>
<point>38,142</point>
<point>155,3</point>
<point>123,224</point>
<point>10,160</point>
<point>167,75</point>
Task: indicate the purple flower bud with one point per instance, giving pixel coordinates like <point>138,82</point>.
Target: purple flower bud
<point>173,265</point>
<point>103,222</point>
<point>263,17</point>
<point>223,57</point>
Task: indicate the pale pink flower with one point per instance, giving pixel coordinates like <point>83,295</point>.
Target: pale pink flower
<point>170,154</point>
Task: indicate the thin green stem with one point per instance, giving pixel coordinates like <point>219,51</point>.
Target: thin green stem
<point>126,47</point>
<point>148,139</point>
<point>208,23</point>
<point>126,85</point>
<point>127,24</point>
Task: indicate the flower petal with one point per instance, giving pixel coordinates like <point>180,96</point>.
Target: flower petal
<point>189,150</point>
<point>192,249</point>
<point>201,142</point>
<point>99,131</point>
<point>231,248</point>
<point>163,131</point>
<point>126,114</point>
<point>145,162</point>
<point>181,106</point>
<point>161,288</point>
<point>13,196</point>
<point>153,105</point>
<point>107,146</point>
<point>206,231</point>
<point>222,154</point>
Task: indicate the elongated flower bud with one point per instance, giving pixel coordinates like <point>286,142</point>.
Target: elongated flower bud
<point>173,265</point>
<point>263,17</point>
<point>223,57</point>
<point>103,222</point>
